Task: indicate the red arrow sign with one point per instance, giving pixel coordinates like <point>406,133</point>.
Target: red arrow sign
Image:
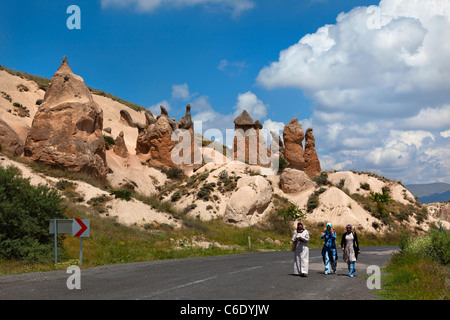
<point>83,228</point>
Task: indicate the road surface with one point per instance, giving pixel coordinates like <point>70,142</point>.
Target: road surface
<point>253,276</point>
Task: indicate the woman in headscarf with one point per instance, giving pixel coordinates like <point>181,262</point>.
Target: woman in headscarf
<point>350,247</point>
<point>329,254</point>
<point>300,241</point>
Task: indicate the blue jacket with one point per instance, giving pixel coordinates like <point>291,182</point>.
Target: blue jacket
<point>330,239</point>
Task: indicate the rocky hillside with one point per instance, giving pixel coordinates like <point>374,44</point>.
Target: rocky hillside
<point>99,146</point>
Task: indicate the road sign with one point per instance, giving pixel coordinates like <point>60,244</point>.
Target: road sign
<point>63,226</point>
<point>77,227</point>
<point>80,228</point>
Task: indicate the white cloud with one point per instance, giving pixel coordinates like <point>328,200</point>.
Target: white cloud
<point>156,108</point>
<point>181,91</point>
<point>276,126</point>
<point>344,64</point>
<point>378,78</point>
<point>408,137</point>
<point>210,119</point>
<point>233,68</point>
<point>254,106</point>
<point>236,7</point>
<point>329,163</point>
<point>398,155</point>
<point>445,134</point>
<point>430,118</point>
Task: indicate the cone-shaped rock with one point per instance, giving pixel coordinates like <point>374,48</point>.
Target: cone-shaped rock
<point>244,121</point>
<point>293,136</point>
<point>312,163</point>
<point>67,129</point>
<point>186,121</point>
<point>120,147</point>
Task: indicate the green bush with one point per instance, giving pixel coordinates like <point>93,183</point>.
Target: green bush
<point>322,180</point>
<point>435,245</point>
<point>205,191</point>
<point>420,270</point>
<point>109,141</point>
<point>291,213</point>
<point>313,202</point>
<point>174,173</point>
<point>25,212</point>
<point>282,164</point>
<point>64,184</point>
<point>176,196</point>
<point>122,194</point>
<point>364,186</point>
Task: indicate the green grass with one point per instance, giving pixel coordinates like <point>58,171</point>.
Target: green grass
<point>421,271</point>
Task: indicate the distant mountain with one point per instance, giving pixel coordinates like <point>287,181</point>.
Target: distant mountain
<point>430,192</point>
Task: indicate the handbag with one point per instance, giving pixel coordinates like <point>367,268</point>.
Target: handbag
<point>294,246</point>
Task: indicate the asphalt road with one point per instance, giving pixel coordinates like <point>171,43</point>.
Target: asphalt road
<point>253,276</point>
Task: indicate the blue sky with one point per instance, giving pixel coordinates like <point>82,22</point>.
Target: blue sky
<point>374,113</point>
<point>139,55</point>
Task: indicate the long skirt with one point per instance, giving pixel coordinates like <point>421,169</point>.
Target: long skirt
<point>301,259</point>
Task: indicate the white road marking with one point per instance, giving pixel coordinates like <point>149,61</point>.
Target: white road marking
<point>196,282</point>
<point>180,286</point>
<point>247,269</point>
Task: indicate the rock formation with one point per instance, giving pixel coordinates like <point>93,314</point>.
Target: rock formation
<point>156,141</point>
<point>249,145</point>
<point>247,204</point>
<point>149,117</point>
<point>126,118</point>
<point>10,140</point>
<point>306,159</point>
<point>293,136</point>
<point>294,180</point>
<point>67,129</point>
<point>119,147</point>
<point>312,163</point>
<point>186,121</point>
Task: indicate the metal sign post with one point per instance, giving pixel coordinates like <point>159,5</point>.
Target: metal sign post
<point>55,223</point>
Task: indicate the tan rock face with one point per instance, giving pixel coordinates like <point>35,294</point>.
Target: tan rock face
<point>160,143</point>
<point>295,180</point>
<point>294,154</point>
<point>156,141</point>
<point>312,163</point>
<point>293,136</point>
<point>67,129</point>
<point>10,140</point>
<point>248,202</point>
<point>119,147</point>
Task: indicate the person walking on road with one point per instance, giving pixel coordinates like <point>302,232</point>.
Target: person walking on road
<point>329,253</point>
<point>300,241</point>
<point>350,247</point>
